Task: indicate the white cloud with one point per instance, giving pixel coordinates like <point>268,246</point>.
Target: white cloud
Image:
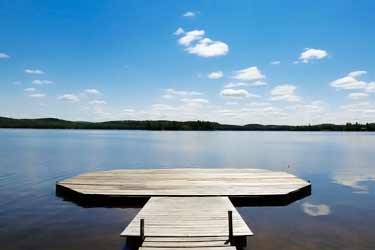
<point>357,73</point>
<point>195,43</point>
<point>358,95</point>
<point>258,83</point>
<point>92,92</point>
<point>40,82</point>
<point>359,108</point>
<point>191,36</point>
<point>275,62</point>
<point>249,74</point>
<point>236,84</point>
<point>34,71</point>
<point>162,107</point>
<point>181,93</point>
<point>30,90</point>
<point>4,56</point>
<point>128,110</point>
<point>215,75</point>
<point>179,31</point>
<point>168,96</point>
<point>68,98</point>
<point>237,93</point>
<point>315,107</point>
<point>284,93</point>
<point>97,102</point>
<point>194,102</point>
<point>316,210</point>
<point>208,48</point>
<point>243,84</point>
<point>312,54</point>
<point>37,95</point>
<point>350,81</point>
<point>189,14</point>
<point>370,87</point>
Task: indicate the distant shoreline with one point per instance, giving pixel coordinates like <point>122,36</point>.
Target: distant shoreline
<point>164,125</point>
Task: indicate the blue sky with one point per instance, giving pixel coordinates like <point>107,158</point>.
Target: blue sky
<point>284,62</point>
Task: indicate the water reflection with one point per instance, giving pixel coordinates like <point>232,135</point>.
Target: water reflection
<point>339,165</point>
<point>315,210</point>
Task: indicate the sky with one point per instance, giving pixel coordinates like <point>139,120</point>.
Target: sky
<point>236,62</point>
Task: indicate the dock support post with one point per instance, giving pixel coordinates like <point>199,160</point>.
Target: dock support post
<point>230,229</point>
<point>142,230</point>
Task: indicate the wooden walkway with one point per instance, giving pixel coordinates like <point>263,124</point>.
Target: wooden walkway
<point>187,217</point>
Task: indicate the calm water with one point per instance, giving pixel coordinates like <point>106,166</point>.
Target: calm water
<point>340,214</point>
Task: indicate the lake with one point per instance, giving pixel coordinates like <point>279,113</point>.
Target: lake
<point>340,213</point>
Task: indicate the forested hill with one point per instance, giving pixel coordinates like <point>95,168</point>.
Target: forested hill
<point>53,123</point>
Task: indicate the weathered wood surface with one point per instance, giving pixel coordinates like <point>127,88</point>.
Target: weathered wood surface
<point>185,244</point>
<point>185,182</point>
<point>186,239</point>
<point>189,248</point>
<point>187,217</point>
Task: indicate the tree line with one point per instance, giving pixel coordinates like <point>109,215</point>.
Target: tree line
<point>53,123</point>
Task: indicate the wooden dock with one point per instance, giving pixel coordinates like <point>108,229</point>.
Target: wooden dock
<point>187,208</point>
<point>185,182</point>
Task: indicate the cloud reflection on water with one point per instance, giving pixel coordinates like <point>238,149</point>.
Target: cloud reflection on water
<point>316,210</point>
<point>355,180</point>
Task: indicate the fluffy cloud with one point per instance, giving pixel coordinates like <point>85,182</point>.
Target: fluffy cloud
<point>195,43</point>
<point>284,93</point>
<point>236,84</point>
<point>360,107</point>
<point>189,14</point>
<point>312,54</point>
<point>128,110</point>
<point>208,48</point>
<point>179,31</point>
<point>37,95</point>
<point>258,83</point>
<point>357,73</point>
<point>4,56</point>
<point>248,74</point>
<point>34,71</point>
<point>237,93</point>
<point>350,81</point>
<point>30,90</point>
<point>194,102</point>
<point>370,87</point>
<point>215,75</point>
<point>172,93</point>
<point>162,107</point>
<point>190,37</point>
<point>97,102</point>
<point>358,95</point>
<point>316,210</point>
<point>243,84</point>
<point>40,82</point>
<point>68,98</point>
<point>92,92</point>
<point>275,62</point>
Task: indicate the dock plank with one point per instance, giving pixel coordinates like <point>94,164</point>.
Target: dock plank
<point>187,217</point>
<point>189,248</point>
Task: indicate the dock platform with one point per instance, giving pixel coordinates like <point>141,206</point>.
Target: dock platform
<point>187,208</point>
<point>185,182</point>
